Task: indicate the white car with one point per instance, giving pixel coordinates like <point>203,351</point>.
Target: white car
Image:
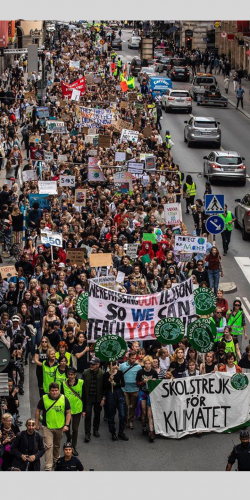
<point>177,99</point>
<point>134,42</point>
<point>145,72</point>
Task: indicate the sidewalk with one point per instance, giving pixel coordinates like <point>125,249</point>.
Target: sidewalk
<point>232,96</point>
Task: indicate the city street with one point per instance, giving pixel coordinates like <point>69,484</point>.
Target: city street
<point>206,451</point>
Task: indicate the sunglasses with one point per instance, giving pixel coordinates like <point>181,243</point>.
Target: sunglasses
<point>237,305</point>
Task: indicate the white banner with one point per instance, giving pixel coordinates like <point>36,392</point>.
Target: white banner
<point>173,213</point>
<point>134,317</point>
<point>54,239</point>
<point>47,187</point>
<point>67,180</point>
<point>190,244</point>
<point>207,403</point>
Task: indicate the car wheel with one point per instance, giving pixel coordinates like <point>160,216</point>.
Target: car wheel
<point>185,140</point>
<point>243,183</point>
<point>188,144</point>
<point>166,109</point>
<point>204,172</point>
<point>195,97</point>
<point>189,110</point>
<point>245,235</point>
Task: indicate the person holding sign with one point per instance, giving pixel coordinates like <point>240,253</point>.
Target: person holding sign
<point>115,400</point>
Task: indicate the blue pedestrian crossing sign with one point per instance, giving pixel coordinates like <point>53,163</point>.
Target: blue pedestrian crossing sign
<point>215,224</point>
<point>214,204</point>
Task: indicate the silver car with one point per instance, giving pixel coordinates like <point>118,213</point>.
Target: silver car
<point>145,73</point>
<point>202,129</point>
<point>228,165</point>
<point>242,215</point>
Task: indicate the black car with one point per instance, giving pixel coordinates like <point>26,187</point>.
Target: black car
<point>181,62</point>
<point>135,66</point>
<point>116,44</point>
<point>181,74</point>
<point>162,63</point>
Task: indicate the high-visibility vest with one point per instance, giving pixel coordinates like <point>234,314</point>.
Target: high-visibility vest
<point>219,335</point>
<point>67,356</point>
<point>191,189</point>
<point>115,72</point>
<point>60,377</point>
<point>55,417</point>
<point>227,219</point>
<point>75,402</point>
<point>236,323</point>
<point>48,375</point>
<point>230,347</point>
<point>119,63</point>
<point>167,137</point>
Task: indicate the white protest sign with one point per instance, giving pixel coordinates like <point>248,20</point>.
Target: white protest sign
<point>120,277</point>
<point>105,281</point>
<point>54,239</point>
<point>62,158</point>
<point>120,156</point>
<point>29,175</point>
<point>74,64</point>
<point>190,243</point>
<point>67,180</point>
<point>94,171</point>
<point>48,156</point>
<point>145,180</point>
<point>213,402</point>
<point>47,187</point>
<point>132,250</point>
<point>129,135</point>
<point>173,213</point>
<point>135,168</point>
<point>8,182</point>
<point>75,96</point>
<point>139,313</point>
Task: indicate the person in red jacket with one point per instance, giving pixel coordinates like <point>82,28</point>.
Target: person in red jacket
<point>222,303</point>
<point>230,365</point>
<point>147,249</point>
<point>161,253</point>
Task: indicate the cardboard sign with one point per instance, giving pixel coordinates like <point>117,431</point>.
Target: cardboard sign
<point>30,95</point>
<point>104,141</point>
<point>132,250</point>
<point>62,158</point>
<point>76,256</point>
<point>120,277</point>
<point>120,156</point>
<point>48,156</point>
<point>129,135</point>
<point>100,260</point>
<point>124,105</point>
<point>147,131</point>
<point>34,138</point>
<point>67,180</point>
<point>132,96</point>
<point>85,130</point>
<point>8,271</point>
<point>80,197</point>
<point>47,187</point>
<point>173,213</point>
<point>122,124</point>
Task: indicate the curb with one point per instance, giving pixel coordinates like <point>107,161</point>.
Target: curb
<point>229,287</point>
<point>234,105</point>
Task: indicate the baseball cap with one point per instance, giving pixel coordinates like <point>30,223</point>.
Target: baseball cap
<point>47,245</point>
<point>95,361</point>
<point>15,318</point>
<point>67,445</point>
<point>244,434</point>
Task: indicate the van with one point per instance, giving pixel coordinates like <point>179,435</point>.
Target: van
<point>134,42</point>
<point>159,84</point>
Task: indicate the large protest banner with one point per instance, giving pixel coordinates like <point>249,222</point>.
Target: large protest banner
<point>91,117</point>
<point>78,85</point>
<point>190,243</point>
<point>134,317</point>
<point>213,402</point>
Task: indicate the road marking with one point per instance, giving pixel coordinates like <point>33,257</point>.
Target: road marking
<point>244,264</point>
<point>244,308</point>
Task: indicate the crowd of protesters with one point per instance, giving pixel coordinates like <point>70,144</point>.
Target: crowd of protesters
<point>39,322</point>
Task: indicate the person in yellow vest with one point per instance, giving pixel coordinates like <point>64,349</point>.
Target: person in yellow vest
<point>73,390</point>
<point>119,65</point>
<point>237,321</point>
<point>229,219</point>
<point>49,367</point>
<point>189,192</point>
<point>113,55</point>
<point>220,323</point>
<point>55,408</point>
<point>61,370</point>
<point>62,349</point>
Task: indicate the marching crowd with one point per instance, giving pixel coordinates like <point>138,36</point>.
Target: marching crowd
<point>39,322</point>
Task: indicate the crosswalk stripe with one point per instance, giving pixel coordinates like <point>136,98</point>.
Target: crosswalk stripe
<point>244,307</point>
<point>244,264</point>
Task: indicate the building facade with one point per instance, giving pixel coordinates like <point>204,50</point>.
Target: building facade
<point>232,38</point>
<point>197,34</point>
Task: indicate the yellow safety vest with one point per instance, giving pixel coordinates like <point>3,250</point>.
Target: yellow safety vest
<point>191,189</point>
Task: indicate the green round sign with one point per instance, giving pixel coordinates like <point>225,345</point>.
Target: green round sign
<point>239,381</point>
<point>169,330</point>
<point>205,301</point>
<point>110,348</point>
<point>82,305</point>
<point>200,335</point>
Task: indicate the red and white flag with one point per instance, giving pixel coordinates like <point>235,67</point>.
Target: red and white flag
<point>78,85</point>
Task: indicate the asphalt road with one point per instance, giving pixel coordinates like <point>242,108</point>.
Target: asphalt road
<point>209,451</point>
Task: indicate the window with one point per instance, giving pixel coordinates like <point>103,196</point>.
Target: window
<point>205,124</point>
<point>229,160</point>
<point>179,94</point>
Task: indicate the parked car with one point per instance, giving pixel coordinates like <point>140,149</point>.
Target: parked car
<point>228,165</point>
<point>134,42</point>
<point>180,74</point>
<point>242,215</point>
<point>145,73</point>
<point>161,64</point>
<point>135,66</point>
<point>202,130</point>
<point>177,99</point>
<point>181,62</point>
<point>116,44</point>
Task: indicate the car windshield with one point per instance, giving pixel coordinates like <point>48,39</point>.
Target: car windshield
<point>147,70</point>
<point>204,81</point>
<point>179,94</point>
<point>180,70</point>
<point>179,62</point>
<point>229,160</point>
<point>205,124</point>
<point>137,63</point>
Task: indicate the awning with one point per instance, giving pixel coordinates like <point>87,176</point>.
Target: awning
<point>171,30</point>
